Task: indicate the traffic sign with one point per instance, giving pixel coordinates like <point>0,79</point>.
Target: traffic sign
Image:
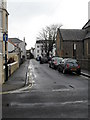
<point>5,37</point>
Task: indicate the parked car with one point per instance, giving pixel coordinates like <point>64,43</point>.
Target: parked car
<point>54,62</point>
<point>37,58</point>
<point>69,65</point>
<point>43,60</point>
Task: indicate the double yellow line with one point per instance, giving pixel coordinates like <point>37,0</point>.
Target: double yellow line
<point>18,90</point>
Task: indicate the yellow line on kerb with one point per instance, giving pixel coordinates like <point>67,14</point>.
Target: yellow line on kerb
<point>2,93</point>
<point>17,91</point>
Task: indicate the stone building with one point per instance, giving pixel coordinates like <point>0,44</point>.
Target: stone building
<point>74,43</point>
<point>20,44</point>
<point>3,29</point>
<point>39,48</point>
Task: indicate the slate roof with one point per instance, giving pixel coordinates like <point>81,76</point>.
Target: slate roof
<point>73,34</point>
<point>41,41</point>
<point>15,40</point>
<point>87,25</point>
<point>12,43</point>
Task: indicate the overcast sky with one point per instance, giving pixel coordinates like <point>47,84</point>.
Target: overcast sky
<point>28,17</point>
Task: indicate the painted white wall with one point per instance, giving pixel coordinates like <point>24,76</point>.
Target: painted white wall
<point>11,47</point>
<point>54,50</point>
<point>22,46</point>
<point>38,49</point>
<point>32,51</point>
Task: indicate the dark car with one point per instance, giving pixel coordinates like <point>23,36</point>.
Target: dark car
<point>69,65</point>
<point>54,62</point>
<point>43,60</point>
<point>37,58</point>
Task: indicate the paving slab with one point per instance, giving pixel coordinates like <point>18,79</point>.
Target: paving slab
<point>17,79</point>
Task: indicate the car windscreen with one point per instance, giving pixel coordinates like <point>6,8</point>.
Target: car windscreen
<point>71,63</point>
<point>59,60</point>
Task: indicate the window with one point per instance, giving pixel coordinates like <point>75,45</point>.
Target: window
<point>0,19</point>
<point>37,51</point>
<point>87,48</point>
<point>37,46</point>
<point>41,46</point>
<point>75,46</point>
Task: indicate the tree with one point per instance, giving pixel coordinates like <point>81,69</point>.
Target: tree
<point>48,35</point>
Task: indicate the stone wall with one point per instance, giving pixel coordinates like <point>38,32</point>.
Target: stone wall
<point>68,49</point>
<point>84,63</point>
<point>1,69</point>
<point>11,69</point>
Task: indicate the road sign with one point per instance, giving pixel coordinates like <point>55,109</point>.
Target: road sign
<point>5,37</point>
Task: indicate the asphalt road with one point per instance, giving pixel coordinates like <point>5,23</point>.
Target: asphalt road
<point>52,95</point>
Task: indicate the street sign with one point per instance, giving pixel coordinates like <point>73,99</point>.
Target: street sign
<point>5,37</point>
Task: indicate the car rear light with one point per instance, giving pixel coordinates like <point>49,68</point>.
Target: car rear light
<point>67,65</point>
<point>55,62</point>
<point>78,66</point>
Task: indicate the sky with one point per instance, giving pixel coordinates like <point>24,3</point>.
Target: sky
<point>28,17</point>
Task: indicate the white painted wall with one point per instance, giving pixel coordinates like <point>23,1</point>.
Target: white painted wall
<point>11,47</point>
<point>22,46</point>
<point>38,49</point>
<point>54,50</point>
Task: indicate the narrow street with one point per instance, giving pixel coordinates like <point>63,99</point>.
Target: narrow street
<point>52,95</point>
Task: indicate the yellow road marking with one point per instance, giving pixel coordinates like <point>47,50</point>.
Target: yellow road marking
<point>16,91</point>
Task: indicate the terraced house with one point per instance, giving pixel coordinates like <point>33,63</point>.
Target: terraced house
<point>75,43</point>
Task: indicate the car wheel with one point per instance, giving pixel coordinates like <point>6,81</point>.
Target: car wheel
<point>49,65</point>
<point>64,71</point>
<point>58,69</point>
<point>40,62</point>
<point>52,66</point>
<point>79,72</point>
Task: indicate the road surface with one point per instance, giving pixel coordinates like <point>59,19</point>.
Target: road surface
<point>52,95</point>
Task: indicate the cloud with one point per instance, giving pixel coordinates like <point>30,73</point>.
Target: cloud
<point>28,17</point>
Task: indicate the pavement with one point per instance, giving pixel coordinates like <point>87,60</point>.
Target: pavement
<point>85,73</point>
<point>17,79</point>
